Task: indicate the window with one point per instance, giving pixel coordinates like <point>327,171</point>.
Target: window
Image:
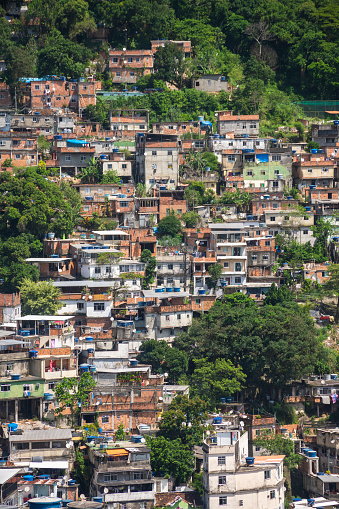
<point>86,208</point>
<point>73,100</point>
<point>47,119</point>
<point>272,494</point>
<point>257,448</point>
<point>272,218</point>
<point>306,218</point>
<point>253,126</point>
<point>197,301</point>
<point>10,367</point>
<point>51,385</point>
<point>138,476</point>
<point>110,477</point>
<point>80,306</point>
<point>151,181</point>
<point>237,280</point>
<point>179,317</point>
<point>265,257</point>
<point>97,270</point>
<point>169,153</point>
<point>17,156</point>
<point>170,266</point>
<point>83,158</point>
<point>250,173</point>
<point>197,84</point>
<point>67,158</point>
<point>131,73</point>
<point>118,74</point>
<point>5,388</point>
<point>267,242</point>
<point>108,270</point>
<point>257,232</point>
<point>231,159</point>
<point>115,60</point>
<point>37,87</point>
<point>154,152</point>
<point>105,419</point>
<point>262,172</point>
<point>142,126</point>
<point>221,460</point>
<point>137,59</point>
<point>123,204</point>
<point>167,318</point>
<point>99,306</point>
<point>222,479</point>
<point>267,474</point>
<point>35,119</point>
<point>276,157</point>
<point>142,505</point>
<point>254,257</point>
<point>226,265</point>
<point>244,126</point>
<point>222,500</point>
<point>129,59</point>
<point>275,205</point>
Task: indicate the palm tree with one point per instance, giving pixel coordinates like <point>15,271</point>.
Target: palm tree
<point>90,174</point>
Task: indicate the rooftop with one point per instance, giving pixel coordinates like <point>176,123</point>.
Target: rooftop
<point>41,435</point>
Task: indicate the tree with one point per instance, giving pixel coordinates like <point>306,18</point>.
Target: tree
<point>213,380</point>
<point>140,190</point>
<point>322,231</point>
<point>276,295</point>
<point>282,446</point>
<point>41,298</point>
<point>164,359</point>
<point>169,64</point>
<point>215,270</point>
<point>62,57</point>
<point>169,225</point>
<point>120,432</point>
<point>91,174</point>
<point>191,219</point>
<point>184,419</point>
<point>43,145</point>
<point>272,344</point>
<point>73,394</point>
<point>111,177</point>
<point>73,198</point>
<point>146,255</point>
<point>260,33</point>
<point>332,286</point>
<point>171,458</point>
<point>32,204</point>
<point>149,273</point>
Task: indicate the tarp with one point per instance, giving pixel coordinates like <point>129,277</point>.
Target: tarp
<point>262,158</point>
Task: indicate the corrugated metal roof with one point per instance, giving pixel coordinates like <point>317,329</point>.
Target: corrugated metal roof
<point>42,434</point>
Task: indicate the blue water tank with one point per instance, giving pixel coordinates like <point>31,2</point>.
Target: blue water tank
<point>89,338</point>
<point>92,369</point>
<point>15,377</point>
<point>169,289</point>
<point>308,209</point>
<point>66,501</point>
<point>133,362</point>
<point>229,399</point>
<point>44,502</point>
<point>222,400</point>
<point>217,420</point>
<point>249,461</point>
<point>334,376</point>
<point>28,477</point>
<point>103,157</point>
<point>314,150</point>
<point>176,289</point>
<point>311,454</point>
<point>97,499</point>
<point>48,396</point>
<point>201,292</point>
<point>33,353</point>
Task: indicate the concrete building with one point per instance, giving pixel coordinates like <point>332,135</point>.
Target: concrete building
<point>157,160</point>
<point>229,480</point>
<point>211,83</point>
<point>227,122</point>
<point>126,123</point>
<point>126,66</point>
<point>231,252</point>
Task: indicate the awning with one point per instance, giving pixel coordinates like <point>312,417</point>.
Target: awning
<point>49,464</point>
<point>117,452</point>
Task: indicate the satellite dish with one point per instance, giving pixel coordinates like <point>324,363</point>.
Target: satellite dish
<point>142,440</point>
<point>82,497</point>
<point>105,490</point>
<point>52,494</point>
<point>68,445</point>
<point>26,489</point>
<point>242,423</point>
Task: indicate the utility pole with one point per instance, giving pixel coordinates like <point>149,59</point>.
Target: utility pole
<point>184,249</point>
<point>15,102</point>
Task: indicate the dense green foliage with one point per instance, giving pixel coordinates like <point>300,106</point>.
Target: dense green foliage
<point>72,391</point>
<point>41,298</point>
<point>271,344</point>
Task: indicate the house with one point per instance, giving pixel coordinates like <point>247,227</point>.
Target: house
<point>10,307</point>
<point>21,396</point>
<point>122,475</point>
<point>47,331</point>
<point>231,478</point>
<point>126,123</point>
<point>231,252</point>
<point>157,160</point>
<point>313,172</point>
<point>128,65</point>
<point>44,449</point>
<point>53,268</point>
<point>211,83</point>
<point>178,128</point>
<point>185,46</point>
<point>227,122</point>
<point>327,135</point>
